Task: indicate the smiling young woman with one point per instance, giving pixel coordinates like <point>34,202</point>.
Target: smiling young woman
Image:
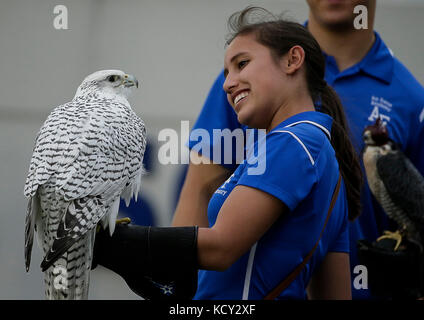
<point>288,223</point>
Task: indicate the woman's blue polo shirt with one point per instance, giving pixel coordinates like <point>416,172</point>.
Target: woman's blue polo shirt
<point>301,171</point>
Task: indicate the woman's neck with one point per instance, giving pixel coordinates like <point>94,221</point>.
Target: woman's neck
<point>290,108</point>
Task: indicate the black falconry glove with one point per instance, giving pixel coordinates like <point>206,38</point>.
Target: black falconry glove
<point>157,263</point>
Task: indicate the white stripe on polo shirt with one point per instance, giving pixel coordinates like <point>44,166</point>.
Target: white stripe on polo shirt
<point>313,123</point>
<point>248,276</point>
<point>301,143</point>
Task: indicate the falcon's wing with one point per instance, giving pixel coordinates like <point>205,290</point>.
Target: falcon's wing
<point>48,148</point>
<point>403,183</point>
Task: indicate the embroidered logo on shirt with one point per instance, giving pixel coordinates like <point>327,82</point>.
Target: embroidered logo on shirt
<point>380,105</point>
<point>220,189</point>
<point>221,192</point>
<point>227,181</point>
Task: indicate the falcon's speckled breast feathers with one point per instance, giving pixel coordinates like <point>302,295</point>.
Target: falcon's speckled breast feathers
<point>87,155</point>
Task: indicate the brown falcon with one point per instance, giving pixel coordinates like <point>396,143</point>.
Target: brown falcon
<point>395,183</point>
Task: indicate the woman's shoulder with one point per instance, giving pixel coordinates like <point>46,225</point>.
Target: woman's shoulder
<point>304,137</point>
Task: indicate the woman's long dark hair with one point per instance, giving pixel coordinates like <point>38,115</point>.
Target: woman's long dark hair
<point>280,36</point>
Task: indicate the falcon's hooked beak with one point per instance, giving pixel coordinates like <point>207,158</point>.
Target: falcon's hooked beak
<point>129,81</point>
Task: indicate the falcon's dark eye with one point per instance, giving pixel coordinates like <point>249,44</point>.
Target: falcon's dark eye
<point>112,78</point>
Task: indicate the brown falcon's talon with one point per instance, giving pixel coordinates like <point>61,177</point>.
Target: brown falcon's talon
<point>392,235</point>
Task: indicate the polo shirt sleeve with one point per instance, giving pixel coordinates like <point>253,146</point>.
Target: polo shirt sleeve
<point>289,174</point>
<point>217,114</point>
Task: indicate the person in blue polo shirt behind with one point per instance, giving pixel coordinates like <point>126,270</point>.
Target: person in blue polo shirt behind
<point>371,83</point>
<point>272,232</point>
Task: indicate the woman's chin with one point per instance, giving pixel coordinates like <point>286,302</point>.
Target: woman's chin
<point>245,120</point>
<point>241,118</point>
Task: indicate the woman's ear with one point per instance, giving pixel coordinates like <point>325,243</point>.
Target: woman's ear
<point>293,60</point>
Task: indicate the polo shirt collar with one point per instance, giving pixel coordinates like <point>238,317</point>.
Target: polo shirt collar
<point>377,63</point>
<point>319,118</point>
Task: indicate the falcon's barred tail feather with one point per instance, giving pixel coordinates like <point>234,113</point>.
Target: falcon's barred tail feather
<point>60,246</point>
<point>68,277</point>
<point>78,219</point>
<point>31,214</point>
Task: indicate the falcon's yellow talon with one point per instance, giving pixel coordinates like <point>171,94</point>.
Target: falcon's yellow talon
<point>392,235</point>
<point>125,220</point>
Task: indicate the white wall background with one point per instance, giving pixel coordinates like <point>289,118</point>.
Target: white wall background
<point>174,47</point>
